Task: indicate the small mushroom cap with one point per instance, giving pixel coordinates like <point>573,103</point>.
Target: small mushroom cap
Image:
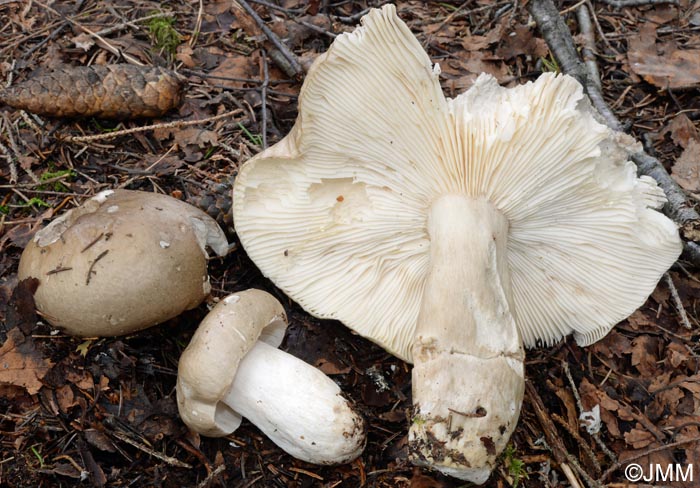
<point>335,214</point>
<point>121,262</point>
<point>208,365</point>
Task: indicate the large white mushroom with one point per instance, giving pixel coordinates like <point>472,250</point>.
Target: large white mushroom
<point>121,262</point>
<point>452,231</point>
<point>233,369</point>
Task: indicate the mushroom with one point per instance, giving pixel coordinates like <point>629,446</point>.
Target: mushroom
<point>121,262</point>
<point>452,231</point>
<point>233,369</point>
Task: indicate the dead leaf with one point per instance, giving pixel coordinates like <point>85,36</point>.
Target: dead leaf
<point>82,379</point>
<point>99,440</point>
<point>65,398</point>
<point>522,41</point>
<point>184,55</point>
<point>668,67</point>
<point>644,358</point>
<point>195,136</point>
<point>638,437</point>
<point>21,364</point>
<point>682,130</point>
<point>329,367</point>
<point>22,312</point>
<point>84,42</point>
<point>686,171</point>
<point>232,68</point>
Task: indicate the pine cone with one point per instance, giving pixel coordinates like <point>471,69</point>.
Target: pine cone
<point>119,91</point>
<point>215,199</point>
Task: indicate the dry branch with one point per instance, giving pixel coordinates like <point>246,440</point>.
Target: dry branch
<point>285,59</point>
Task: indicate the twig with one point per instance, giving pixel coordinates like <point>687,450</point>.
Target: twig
<point>168,125</point>
<point>316,28</point>
<point>101,40</point>
<point>167,459</point>
<point>579,404</point>
<point>560,42</point>
<point>618,465</point>
<point>550,433</point>
<point>263,96</point>
<point>588,48</point>
<point>638,3</point>
<point>15,150</point>
<point>10,162</point>
<point>577,437</point>
<point>293,64</point>
<point>116,28</point>
<point>197,24</point>
<point>272,6</point>
<point>93,242</point>
<point>207,481</point>
<point>677,301</point>
<point>92,266</point>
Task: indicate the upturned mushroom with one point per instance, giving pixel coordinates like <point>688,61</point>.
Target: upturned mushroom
<point>452,231</point>
<point>121,262</point>
<point>233,369</point>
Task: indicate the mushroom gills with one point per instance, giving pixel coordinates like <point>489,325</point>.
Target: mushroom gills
<point>468,375</point>
<point>297,406</point>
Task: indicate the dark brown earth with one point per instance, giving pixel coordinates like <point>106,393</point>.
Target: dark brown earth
<point>102,412</point>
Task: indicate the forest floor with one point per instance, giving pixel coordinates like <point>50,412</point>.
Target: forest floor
<point>102,412</point>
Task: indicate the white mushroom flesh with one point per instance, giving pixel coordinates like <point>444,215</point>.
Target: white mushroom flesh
<point>468,374</point>
<point>297,406</point>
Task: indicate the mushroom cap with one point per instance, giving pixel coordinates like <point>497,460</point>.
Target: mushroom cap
<point>208,365</point>
<point>121,262</point>
<point>335,213</point>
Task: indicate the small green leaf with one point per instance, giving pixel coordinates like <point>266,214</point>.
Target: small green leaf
<point>83,348</point>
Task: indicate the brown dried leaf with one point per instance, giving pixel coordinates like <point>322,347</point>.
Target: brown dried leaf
<point>21,364</point>
<point>330,367</point>
<point>22,313</point>
<point>569,402</point>
<point>644,358</point>
<point>638,437</point>
<point>80,378</point>
<point>670,68</point>
<point>522,41</point>
<point>84,41</point>
<point>66,398</point>
<point>610,410</point>
<point>682,130</point>
<point>686,171</point>
<point>195,136</point>
<point>677,354</point>
<point>99,440</point>
<point>239,67</point>
<point>117,91</point>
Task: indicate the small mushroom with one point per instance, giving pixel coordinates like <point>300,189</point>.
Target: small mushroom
<point>452,231</point>
<point>121,262</point>
<point>233,369</point>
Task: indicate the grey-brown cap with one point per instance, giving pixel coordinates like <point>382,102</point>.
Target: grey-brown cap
<point>122,261</point>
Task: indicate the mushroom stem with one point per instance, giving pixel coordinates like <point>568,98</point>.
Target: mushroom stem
<point>468,375</point>
<point>297,406</point>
